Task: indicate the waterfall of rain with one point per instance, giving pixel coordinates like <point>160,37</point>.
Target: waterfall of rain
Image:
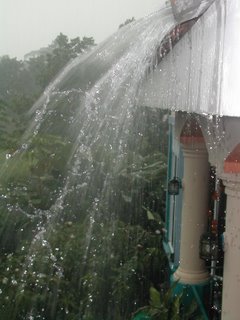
<point>91,108</point>
<point>78,198</point>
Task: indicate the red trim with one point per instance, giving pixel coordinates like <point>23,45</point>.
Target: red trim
<point>232,163</point>
<point>191,133</point>
<point>231,167</point>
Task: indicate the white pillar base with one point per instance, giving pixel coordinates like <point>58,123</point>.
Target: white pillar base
<point>190,277</point>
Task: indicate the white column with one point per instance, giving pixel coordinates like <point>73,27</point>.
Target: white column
<point>192,269</point>
<point>231,273</point>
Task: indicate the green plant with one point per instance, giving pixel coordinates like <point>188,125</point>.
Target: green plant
<point>167,305</point>
<point>97,256</point>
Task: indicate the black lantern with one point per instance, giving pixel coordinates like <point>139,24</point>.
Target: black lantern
<point>174,186</point>
<point>208,247</point>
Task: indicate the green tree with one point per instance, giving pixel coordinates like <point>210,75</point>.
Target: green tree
<point>15,79</point>
<point>47,65</point>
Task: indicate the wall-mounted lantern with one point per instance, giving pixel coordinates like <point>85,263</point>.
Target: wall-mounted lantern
<point>174,186</point>
<point>208,247</point>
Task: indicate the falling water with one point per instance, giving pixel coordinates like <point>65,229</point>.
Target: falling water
<point>91,108</point>
<point>88,175</point>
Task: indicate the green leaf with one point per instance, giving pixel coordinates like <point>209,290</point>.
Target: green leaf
<point>155,300</point>
<point>176,308</point>
<point>150,215</point>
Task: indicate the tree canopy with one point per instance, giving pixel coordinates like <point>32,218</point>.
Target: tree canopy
<point>47,269</point>
<point>22,82</point>
<point>31,76</point>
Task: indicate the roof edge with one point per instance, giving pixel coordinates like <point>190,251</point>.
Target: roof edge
<point>186,10</point>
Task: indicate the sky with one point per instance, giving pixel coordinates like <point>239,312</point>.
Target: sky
<point>27,25</point>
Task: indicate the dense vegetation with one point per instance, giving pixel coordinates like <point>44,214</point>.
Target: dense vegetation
<point>78,265</point>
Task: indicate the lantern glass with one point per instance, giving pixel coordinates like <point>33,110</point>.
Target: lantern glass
<point>208,247</point>
<point>174,186</point>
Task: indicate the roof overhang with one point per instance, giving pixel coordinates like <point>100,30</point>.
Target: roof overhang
<point>184,10</point>
<point>201,72</point>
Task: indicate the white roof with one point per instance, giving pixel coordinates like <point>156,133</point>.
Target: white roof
<point>187,9</point>
<point>202,72</point>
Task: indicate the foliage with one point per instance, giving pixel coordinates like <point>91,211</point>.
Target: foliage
<point>90,263</point>
<point>12,124</point>
<point>18,91</point>
<point>46,66</point>
<point>21,82</point>
<point>166,305</point>
<point>33,178</point>
<point>99,256</point>
<point>15,80</point>
<point>52,286</point>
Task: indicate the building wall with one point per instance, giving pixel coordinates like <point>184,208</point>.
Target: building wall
<point>222,135</point>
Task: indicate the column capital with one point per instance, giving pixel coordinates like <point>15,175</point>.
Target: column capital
<point>232,183</point>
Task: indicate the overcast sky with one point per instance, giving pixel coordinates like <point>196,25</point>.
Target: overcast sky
<point>27,25</point>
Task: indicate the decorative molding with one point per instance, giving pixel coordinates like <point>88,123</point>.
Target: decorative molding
<point>232,183</point>
<point>232,163</point>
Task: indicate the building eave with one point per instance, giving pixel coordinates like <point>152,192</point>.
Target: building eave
<point>198,68</point>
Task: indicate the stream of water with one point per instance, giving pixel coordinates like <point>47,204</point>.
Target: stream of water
<point>79,261</point>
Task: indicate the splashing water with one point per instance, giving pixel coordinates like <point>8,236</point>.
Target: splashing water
<point>91,109</point>
<point>78,193</point>
<point>99,92</point>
